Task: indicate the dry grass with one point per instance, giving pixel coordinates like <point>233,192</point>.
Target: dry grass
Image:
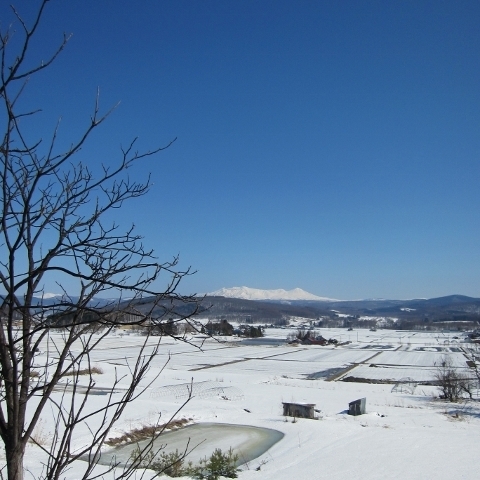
<point>454,416</point>
<point>146,431</point>
<point>85,371</point>
<point>40,436</point>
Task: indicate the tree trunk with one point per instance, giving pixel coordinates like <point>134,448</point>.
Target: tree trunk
<point>15,463</point>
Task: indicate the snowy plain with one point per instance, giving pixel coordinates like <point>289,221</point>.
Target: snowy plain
<point>404,436</point>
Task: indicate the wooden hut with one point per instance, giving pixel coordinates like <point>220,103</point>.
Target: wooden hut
<point>299,410</point>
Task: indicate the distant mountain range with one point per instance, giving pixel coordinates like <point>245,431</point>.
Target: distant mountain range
<point>277,306</point>
<point>247,293</point>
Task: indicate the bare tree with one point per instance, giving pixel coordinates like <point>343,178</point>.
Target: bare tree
<point>53,227</point>
<point>452,384</point>
<point>473,355</point>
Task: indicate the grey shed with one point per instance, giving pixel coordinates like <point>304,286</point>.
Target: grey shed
<point>357,407</point>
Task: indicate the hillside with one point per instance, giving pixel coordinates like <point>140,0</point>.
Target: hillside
<point>416,313</point>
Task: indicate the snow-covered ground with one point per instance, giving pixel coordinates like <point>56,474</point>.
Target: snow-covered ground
<point>401,436</point>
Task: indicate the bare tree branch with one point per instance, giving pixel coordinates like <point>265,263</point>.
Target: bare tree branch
<point>54,228</point>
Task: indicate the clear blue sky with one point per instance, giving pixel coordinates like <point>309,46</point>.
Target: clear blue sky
<point>332,146</point>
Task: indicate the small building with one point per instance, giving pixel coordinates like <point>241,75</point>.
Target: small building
<point>357,407</point>
<point>299,410</point>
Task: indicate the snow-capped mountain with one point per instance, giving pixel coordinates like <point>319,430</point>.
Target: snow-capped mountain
<point>50,295</point>
<point>247,293</point>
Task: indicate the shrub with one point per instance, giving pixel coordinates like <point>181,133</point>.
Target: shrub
<point>172,464</point>
<point>219,464</point>
<point>451,383</point>
<point>169,463</point>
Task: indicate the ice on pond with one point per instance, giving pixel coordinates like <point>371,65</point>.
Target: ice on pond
<point>202,439</point>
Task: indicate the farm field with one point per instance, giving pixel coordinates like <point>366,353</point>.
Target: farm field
<point>411,436</point>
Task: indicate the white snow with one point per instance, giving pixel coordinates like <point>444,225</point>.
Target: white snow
<point>50,295</point>
<point>402,436</point>
<point>248,293</point>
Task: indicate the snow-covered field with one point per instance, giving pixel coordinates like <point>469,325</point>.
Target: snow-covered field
<point>401,436</point>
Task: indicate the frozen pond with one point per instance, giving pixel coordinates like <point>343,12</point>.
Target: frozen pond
<point>203,438</point>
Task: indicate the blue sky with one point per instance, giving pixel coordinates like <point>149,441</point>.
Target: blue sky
<point>331,146</point>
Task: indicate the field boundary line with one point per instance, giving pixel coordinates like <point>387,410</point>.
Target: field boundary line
<point>340,375</point>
